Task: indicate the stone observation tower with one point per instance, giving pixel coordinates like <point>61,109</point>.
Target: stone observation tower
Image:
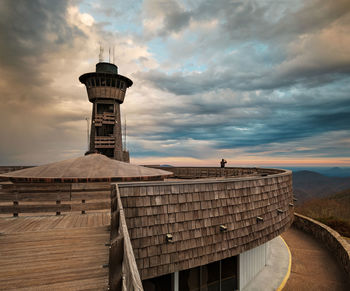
<point>106,91</point>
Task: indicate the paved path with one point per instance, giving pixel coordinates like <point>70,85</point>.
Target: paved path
<point>54,252</point>
<point>277,263</point>
<point>313,266</point>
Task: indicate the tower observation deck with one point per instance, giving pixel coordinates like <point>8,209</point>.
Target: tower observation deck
<point>106,91</point>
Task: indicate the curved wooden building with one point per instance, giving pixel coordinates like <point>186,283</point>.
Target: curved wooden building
<point>210,233</point>
<point>173,228</point>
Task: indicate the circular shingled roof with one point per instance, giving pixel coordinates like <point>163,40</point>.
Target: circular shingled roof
<point>90,168</point>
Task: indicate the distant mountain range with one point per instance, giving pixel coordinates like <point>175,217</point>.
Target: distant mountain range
<point>335,172</point>
<point>333,210</point>
<point>309,184</point>
<point>330,172</point>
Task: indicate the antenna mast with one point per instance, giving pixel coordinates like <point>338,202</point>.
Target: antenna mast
<point>124,132</point>
<point>100,56</point>
<point>88,132</point>
<point>113,55</point>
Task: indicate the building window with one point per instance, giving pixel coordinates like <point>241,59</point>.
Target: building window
<point>162,283</point>
<point>217,276</point>
<point>211,276</point>
<point>189,280</point>
<point>229,273</point>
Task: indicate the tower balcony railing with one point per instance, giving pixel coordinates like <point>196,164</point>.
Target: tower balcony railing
<point>104,142</point>
<point>106,115</point>
<point>105,118</point>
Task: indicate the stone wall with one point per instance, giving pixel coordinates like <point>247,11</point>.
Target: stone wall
<point>253,210</point>
<point>332,239</point>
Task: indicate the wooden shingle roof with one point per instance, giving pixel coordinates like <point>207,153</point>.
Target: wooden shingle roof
<point>90,168</point>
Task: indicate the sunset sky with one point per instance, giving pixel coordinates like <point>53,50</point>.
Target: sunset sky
<point>254,82</point>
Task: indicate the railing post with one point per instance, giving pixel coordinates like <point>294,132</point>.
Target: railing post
<point>58,202</point>
<point>83,202</point>
<point>15,204</point>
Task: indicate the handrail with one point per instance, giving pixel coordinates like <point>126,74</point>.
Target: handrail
<point>52,199</point>
<point>123,274</point>
<point>212,172</point>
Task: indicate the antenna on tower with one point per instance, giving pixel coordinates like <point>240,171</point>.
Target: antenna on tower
<point>88,131</point>
<point>109,54</point>
<point>113,55</point>
<point>100,56</point>
<point>124,132</point>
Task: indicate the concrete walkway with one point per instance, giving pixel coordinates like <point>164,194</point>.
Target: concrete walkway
<point>277,263</point>
<point>313,266</point>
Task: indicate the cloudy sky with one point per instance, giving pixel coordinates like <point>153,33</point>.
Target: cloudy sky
<point>256,82</point>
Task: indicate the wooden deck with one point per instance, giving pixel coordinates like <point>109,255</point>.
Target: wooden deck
<point>65,252</point>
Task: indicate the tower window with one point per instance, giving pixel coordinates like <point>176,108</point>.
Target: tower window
<point>118,83</point>
<point>105,130</point>
<point>108,108</point>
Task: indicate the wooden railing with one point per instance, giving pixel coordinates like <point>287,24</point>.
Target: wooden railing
<point>123,271</point>
<point>212,172</point>
<point>105,118</point>
<point>53,199</point>
<point>6,169</point>
<point>104,141</point>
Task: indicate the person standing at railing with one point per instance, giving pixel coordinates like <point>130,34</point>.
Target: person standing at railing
<point>222,163</point>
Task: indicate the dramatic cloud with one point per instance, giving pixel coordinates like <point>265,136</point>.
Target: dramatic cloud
<point>245,80</point>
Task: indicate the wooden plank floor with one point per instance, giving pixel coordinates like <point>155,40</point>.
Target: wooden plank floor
<point>54,252</point>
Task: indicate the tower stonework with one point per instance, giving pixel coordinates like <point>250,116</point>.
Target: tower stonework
<point>106,91</point>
